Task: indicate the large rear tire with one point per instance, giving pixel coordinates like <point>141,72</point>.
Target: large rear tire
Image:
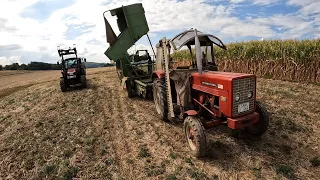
<point>195,136</point>
<point>83,80</point>
<point>160,98</point>
<point>63,85</point>
<point>259,128</point>
<point>130,88</point>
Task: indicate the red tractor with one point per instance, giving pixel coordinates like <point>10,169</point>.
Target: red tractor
<point>73,69</point>
<point>201,96</point>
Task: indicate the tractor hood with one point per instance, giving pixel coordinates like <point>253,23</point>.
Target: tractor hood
<point>221,75</point>
<point>216,79</point>
<point>71,70</point>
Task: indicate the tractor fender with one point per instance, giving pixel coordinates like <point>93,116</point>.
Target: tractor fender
<point>157,74</point>
<point>190,113</point>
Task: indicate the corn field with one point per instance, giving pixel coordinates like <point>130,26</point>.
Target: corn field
<point>278,59</point>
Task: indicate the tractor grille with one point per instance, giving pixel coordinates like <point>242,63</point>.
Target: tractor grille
<point>243,86</point>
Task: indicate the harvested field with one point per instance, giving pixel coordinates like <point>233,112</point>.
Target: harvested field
<point>99,133</point>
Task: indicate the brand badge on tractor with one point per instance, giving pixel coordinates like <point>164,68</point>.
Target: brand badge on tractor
<point>220,86</point>
<point>209,84</point>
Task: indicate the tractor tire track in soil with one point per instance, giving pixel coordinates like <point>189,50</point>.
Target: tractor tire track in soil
<point>142,142</point>
<point>114,111</point>
<point>8,91</point>
<point>111,115</point>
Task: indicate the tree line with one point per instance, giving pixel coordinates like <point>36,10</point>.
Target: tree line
<point>47,66</point>
<point>31,66</point>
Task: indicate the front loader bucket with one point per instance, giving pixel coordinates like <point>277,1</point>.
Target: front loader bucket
<point>132,24</point>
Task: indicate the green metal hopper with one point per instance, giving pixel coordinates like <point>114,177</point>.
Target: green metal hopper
<point>132,24</point>
<point>133,70</point>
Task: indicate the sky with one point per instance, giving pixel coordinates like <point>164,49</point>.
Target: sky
<point>31,30</point>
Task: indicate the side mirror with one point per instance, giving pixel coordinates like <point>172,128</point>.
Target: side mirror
<point>57,62</point>
<point>85,60</point>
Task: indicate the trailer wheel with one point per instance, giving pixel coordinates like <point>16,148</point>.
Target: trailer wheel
<point>130,88</point>
<point>63,85</point>
<point>195,136</point>
<point>259,128</point>
<point>160,98</point>
<point>83,80</point>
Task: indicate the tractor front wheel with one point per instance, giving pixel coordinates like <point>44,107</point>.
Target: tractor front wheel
<point>63,85</point>
<point>259,128</point>
<point>195,135</point>
<point>160,98</point>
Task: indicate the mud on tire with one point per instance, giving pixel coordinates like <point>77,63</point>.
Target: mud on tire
<point>195,136</point>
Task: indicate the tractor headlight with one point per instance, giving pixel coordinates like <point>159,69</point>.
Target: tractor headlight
<point>250,94</point>
<point>237,97</point>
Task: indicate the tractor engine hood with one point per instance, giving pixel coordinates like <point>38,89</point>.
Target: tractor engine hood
<point>71,71</point>
<point>217,80</point>
<point>227,86</point>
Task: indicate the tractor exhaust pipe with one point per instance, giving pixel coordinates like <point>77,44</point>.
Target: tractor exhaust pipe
<point>198,52</point>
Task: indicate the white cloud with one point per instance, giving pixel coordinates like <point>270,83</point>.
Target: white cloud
<point>236,1</point>
<point>38,39</point>
<point>260,2</point>
<point>243,29</point>
<point>282,21</point>
<point>309,7</point>
<point>264,2</point>
<point>10,60</point>
<point>301,2</point>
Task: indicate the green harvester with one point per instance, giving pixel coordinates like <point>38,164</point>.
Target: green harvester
<point>134,70</point>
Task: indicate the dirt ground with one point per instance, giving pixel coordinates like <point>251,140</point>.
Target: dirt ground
<point>99,133</point>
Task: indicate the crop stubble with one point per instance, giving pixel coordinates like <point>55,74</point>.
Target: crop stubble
<point>99,133</point>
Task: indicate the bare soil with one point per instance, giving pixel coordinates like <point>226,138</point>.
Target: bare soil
<point>99,133</point>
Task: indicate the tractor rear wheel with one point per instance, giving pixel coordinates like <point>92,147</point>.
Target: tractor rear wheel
<point>83,80</point>
<point>160,98</point>
<point>259,128</point>
<point>195,135</point>
<point>63,85</point>
<point>130,88</point>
